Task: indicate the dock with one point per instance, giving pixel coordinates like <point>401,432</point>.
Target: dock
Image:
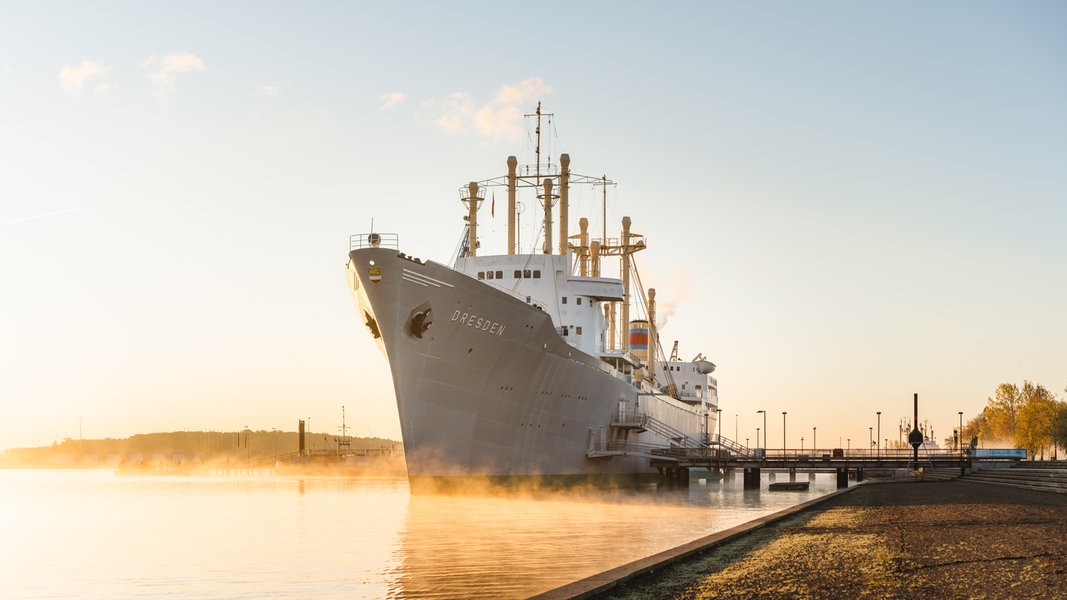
<point>722,455</point>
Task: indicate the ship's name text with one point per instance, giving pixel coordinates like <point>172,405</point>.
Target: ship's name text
<point>479,323</point>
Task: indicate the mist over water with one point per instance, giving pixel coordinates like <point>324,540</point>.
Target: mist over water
<point>94,534</point>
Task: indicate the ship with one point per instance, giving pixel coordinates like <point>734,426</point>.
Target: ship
<point>537,366</point>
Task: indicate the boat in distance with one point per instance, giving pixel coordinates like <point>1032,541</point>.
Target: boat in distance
<point>528,365</point>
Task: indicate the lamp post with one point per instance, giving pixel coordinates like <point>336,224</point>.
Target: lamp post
<point>757,438</point>
<point>961,431</point>
<point>737,426</point>
<point>870,440</point>
<point>813,446</point>
<point>718,420</point>
<point>783,433</point>
<point>764,429</point>
<point>801,443</point>
<point>878,439</point>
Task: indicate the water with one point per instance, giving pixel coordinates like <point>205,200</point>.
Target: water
<point>95,534</point>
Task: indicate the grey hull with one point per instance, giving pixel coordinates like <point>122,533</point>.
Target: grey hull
<point>484,384</point>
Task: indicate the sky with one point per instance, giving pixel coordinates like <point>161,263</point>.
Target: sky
<point>845,203</point>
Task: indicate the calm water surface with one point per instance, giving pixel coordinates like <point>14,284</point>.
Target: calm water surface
<point>94,534</point>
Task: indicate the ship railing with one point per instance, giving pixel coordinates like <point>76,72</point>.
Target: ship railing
<point>630,419</point>
<point>732,446</point>
<point>676,437</point>
<point>373,240</point>
<point>615,447</point>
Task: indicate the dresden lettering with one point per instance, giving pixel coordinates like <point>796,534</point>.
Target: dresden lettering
<point>479,323</point>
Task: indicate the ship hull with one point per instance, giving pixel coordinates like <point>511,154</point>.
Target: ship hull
<point>485,387</point>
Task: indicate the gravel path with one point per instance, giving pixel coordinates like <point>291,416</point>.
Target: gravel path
<point>948,539</point>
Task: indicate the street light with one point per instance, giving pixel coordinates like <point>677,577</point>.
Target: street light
<point>757,438</point>
<point>870,439</point>
<point>813,446</point>
<point>878,439</point>
<point>801,443</point>
<point>718,420</point>
<point>961,430</point>
<point>783,433</point>
<point>764,428</point>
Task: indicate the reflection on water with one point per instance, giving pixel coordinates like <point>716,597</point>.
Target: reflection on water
<point>93,534</point>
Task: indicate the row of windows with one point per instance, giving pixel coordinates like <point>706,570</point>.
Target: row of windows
<point>565,330</point>
<point>519,274</point>
<point>577,301</point>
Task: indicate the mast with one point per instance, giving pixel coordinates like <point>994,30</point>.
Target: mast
<point>564,180</point>
<point>546,198</point>
<point>583,247</point>
<point>472,200</point>
<point>625,282</point>
<point>652,336</point>
<point>513,247</point>
<point>604,207</point>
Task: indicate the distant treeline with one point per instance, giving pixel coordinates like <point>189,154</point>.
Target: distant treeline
<point>182,447</point>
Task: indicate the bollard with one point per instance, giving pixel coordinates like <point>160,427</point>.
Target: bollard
<point>842,478</point>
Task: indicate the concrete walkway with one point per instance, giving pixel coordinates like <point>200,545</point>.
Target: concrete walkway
<point>946,539</point>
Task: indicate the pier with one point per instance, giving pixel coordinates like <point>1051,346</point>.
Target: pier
<point>674,463</point>
<point>718,454</point>
<point>725,456</point>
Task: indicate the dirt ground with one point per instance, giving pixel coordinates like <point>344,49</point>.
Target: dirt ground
<point>947,539</point>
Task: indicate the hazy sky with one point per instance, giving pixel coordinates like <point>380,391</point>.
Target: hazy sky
<point>845,203</point>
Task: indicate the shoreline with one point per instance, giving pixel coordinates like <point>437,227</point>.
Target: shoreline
<point>885,539</point>
<point>592,586</point>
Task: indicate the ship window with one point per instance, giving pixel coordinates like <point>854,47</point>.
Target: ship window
<point>564,330</point>
<point>578,330</point>
<point>537,274</point>
<point>564,299</point>
<point>481,274</point>
<point>489,274</point>
<point>526,273</point>
<point>499,274</point>
<point>518,274</point>
<point>578,302</point>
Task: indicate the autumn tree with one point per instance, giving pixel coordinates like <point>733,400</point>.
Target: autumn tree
<point>1059,432</point>
<point>1000,413</point>
<point>976,427</point>
<point>1035,421</point>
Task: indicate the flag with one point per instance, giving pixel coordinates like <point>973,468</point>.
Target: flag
<point>492,207</point>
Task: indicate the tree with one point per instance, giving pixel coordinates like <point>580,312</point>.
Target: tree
<point>1035,419</point>
<point>1000,413</point>
<point>976,427</point>
<point>1059,432</point>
